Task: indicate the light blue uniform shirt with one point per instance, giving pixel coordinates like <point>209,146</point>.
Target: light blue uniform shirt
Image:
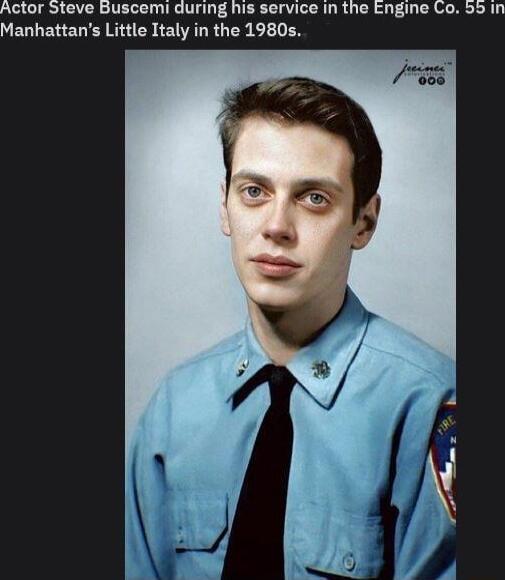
<point>363,498</point>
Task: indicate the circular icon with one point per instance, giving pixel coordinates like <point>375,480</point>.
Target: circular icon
<point>440,80</point>
<point>431,80</point>
<point>422,80</point>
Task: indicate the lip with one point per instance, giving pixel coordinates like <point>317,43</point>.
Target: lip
<point>276,266</point>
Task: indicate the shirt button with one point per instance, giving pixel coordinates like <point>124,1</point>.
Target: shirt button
<point>242,367</point>
<point>349,562</point>
<point>321,369</point>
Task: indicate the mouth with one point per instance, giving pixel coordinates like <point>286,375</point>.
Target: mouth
<point>275,266</point>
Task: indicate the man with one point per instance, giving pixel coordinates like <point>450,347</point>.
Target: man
<point>320,441</point>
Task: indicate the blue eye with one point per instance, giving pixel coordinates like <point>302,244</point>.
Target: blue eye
<point>316,198</point>
<point>253,191</point>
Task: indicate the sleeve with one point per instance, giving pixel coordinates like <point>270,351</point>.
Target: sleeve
<point>425,534</point>
<point>143,498</point>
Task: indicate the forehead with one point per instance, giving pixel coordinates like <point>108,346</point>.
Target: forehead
<point>283,148</point>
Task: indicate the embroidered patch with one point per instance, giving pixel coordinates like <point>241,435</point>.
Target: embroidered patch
<point>443,456</point>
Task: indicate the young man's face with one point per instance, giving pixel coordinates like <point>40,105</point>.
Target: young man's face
<point>289,212</point>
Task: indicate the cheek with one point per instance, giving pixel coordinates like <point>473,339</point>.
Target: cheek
<point>243,227</point>
<point>242,230</point>
<point>328,246</point>
<point>242,236</point>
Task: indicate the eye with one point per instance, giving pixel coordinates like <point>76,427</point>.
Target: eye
<point>253,191</point>
<point>253,194</point>
<point>317,198</point>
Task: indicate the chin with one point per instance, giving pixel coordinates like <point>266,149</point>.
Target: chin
<point>273,299</point>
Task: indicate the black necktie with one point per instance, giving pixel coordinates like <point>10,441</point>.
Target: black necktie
<point>256,545</point>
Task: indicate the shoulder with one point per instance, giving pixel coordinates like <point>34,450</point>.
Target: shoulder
<point>208,359</point>
<point>398,348</point>
<point>194,384</point>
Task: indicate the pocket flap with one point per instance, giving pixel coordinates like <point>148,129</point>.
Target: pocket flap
<point>198,519</point>
<point>339,544</point>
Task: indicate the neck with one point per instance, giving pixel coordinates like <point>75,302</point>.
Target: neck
<point>283,333</point>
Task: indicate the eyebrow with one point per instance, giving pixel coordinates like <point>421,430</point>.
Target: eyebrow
<point>304,182</point>
<point>245,174</point>
<point>319,182</point>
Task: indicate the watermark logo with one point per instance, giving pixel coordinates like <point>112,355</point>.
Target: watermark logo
<point>426,74</point>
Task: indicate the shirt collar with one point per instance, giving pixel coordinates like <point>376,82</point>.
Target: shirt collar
<point>320,366</point>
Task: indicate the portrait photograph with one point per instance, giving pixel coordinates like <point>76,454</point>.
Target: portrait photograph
<point>290,314</point>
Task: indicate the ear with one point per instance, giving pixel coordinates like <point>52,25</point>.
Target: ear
<point>366,222</point>
<point>223,211</point>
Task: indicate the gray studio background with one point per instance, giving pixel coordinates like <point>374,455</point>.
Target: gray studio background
<point>181,291</point>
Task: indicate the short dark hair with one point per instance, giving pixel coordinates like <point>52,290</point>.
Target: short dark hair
<point>299,99</point>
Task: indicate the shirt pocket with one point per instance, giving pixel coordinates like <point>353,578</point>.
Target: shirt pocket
<point>336,544</point>
<point>198,519</point>
<point>197,534</point>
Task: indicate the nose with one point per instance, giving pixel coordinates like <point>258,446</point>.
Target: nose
<point>279,224</point>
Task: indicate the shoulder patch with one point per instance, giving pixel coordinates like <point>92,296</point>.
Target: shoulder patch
<point>443,457</point>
